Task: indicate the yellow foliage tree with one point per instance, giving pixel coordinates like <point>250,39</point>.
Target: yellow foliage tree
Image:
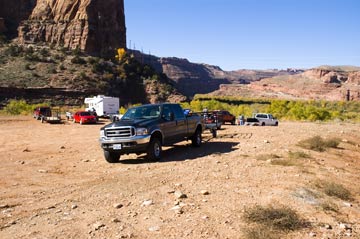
<point>121,52</point>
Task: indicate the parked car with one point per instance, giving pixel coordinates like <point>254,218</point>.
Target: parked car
<point>266,119</point>
<point>84,117</point>
<point>225,116</point>
<point>41,112</point>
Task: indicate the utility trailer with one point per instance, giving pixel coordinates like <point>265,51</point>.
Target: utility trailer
<point>55,117</point>
<point>104,106</point>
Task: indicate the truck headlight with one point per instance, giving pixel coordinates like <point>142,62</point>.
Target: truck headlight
<point>141,131</point>
<point>102,133</point>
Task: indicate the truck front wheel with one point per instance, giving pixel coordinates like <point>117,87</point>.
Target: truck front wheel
<point>196,138</point>
<point>111,157</point>
<point>154,150</point>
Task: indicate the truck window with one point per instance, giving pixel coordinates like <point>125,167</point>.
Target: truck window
<point>166,112</point>
<point>178,112</point>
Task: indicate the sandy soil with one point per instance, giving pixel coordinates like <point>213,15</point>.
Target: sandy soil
<point>55,183</point>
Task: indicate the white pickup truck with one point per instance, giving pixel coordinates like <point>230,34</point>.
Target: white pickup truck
<point>266,119</point>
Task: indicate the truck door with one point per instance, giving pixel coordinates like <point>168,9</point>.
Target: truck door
<point>168,124</point>
<point>181,129</point>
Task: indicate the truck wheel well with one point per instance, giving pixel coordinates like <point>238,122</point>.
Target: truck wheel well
<point>158,135</point>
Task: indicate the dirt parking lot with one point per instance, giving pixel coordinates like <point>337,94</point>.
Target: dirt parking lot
<point>55,183</point>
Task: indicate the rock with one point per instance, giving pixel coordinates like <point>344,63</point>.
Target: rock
<point>98,225</point>
<point>345,226</point>
<point>62,147</point>
<point>347,204</point>
<point>327,226</point>
<point>118,205</point>
<point>266,141</point>
<point>4,206</point>
<point>154,228</point>
<point>42,171</point>
<point>204,192</point>
<point>115,220</point>
<point>147,203</point>
<point>177,209</point>
<point>179,194</point>
<point>26,150</point>
<point>312,234</point>
<point>89,25</point>
<point>74,206</point>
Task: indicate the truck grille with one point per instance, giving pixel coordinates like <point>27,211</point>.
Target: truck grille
<point>120,132</point>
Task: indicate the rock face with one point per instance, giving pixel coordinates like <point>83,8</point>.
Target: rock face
<point>12,13</point>
<point>95,26</point>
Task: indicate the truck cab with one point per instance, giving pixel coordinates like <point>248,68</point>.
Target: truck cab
<point>266,119</point>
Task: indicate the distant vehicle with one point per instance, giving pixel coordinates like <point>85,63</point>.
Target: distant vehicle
<point>42,111</point>
<point>252,122</point>
<point>266,119</point>
<point>84,117</point>
<point>225,116</point>
<point>212,120</point>
<point>104,106</point>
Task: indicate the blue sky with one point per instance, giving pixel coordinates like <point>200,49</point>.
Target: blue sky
<point>247,34</point>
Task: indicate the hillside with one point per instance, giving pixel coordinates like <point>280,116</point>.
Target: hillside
<point>39,73</point>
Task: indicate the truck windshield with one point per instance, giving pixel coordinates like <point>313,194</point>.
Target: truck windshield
<point>142,112</point>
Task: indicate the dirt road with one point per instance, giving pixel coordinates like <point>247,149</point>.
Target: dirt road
<point>55,183</point>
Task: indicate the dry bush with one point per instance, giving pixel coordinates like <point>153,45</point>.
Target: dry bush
<point>260,232</point>
<point>319,144</point>
<point>329,207</point>
<point>299,155</point>
<point>334,190</point>
<point>265,157</point>
<point>279,218</point>
<point>285,162</point>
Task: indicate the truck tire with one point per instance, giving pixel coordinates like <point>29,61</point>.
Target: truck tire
<point>263,124</point>
<point>111,157</point>
<point>196,139</point>
<point>154,150</point>
<point>233,122</point>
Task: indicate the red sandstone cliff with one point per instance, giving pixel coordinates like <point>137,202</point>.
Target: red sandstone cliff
<point>95,26</point>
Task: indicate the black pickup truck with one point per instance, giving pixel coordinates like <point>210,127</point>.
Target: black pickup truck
<point>146,128</point>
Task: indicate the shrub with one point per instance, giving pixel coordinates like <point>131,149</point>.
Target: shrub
<point>78,60</point>
<point>329,207</point>
<point>284,162</point>
<point>260,232</point>
<point>298,155</point>
<point>265,157</point>
<point>281,218</point>
<point>319,144</point>
<point>17,107</point>
<point>334,190</point>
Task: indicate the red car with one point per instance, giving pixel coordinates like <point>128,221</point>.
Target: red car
<point>84,117</point>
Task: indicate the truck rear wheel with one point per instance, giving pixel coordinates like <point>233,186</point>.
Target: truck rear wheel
<point>154,150</point>
<point>196,138</point>
<point>111,157</point>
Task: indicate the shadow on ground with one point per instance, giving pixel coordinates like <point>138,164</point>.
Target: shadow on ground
<point>185,152</point>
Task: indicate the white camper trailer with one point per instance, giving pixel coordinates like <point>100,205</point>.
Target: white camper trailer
<point>105,106</point>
